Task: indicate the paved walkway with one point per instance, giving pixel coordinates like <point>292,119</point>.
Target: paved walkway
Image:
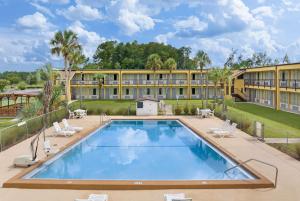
<point>241,146</point>
<point>282,140</point>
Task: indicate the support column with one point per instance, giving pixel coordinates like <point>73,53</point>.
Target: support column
<point>1,102</point>
<point>189,84</point>
<point>120,85</point>
<point>277,89</point>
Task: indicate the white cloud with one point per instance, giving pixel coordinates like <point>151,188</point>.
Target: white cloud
<point>89,39</point>
<point>81,12</point>
<point>42,9</point>
<point>54,1</point>
<point>132,16</point>
<point>263,11</point>
<point>34,21</point>
<point>191,23</point>
<point>163,38</point>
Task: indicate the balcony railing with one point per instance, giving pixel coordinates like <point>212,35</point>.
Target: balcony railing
<point>94,82</point>
<point>291,84</point>
<point>260,82</point>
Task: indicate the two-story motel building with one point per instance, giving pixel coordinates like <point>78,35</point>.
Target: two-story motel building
<point>272,86</point>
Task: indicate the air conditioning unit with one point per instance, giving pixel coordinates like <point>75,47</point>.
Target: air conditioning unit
<point>114,97</point>
<point>161,97</point>
<point>194,96</point>
<point>295,108</point>
<point>94,97</point>
<point>114,82</point>
<point>283,105</point>
<point>128,97</point>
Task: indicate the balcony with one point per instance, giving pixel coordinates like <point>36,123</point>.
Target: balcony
<point>260,82</point>
<point>291,84</point>
<point>93,82</point>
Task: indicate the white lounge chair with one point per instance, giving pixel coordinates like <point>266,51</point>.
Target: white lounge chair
<point>67,126</point>
<point>227,132</point>
<point>48,149</point>
<point>176,197</point>
<point>98,197</point>
<point>71,115</point>
<point>59,131</point>
<point>225,126</point>
<point>95,197</point>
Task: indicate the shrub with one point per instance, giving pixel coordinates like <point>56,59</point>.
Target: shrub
<point>186,109</point>
<point>194,110</point>
<point>108,112</point>
<point>122,111</point>
<point>22,85</point>
<point>178,110</point>
<point>99,111</point>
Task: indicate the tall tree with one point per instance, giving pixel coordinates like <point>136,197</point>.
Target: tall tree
<point>215,76</point>
<point>154,63</point>
<point>286,59</point>
<point>63,44</point>
<point>3,84</point>
<point>170,64</point>
<point>202,60</point>
<point>77,58</point>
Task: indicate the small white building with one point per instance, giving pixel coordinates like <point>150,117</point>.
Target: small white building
<point>146,107</point>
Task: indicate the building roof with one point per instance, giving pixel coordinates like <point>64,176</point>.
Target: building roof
<point>149,99</point>
<point>26,92</point>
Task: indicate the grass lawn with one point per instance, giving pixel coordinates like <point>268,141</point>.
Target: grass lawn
<point>291,149</point>
<point>4,122</point>
<point>115,105</point>
<point>276,123</point>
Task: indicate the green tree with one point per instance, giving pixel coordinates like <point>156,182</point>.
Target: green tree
<point>104,54</point>
<point>215,76</point>
<point>202,60</point>
<point>286,59</point>
<point>63,44</point>
<point>3,84</point>
<point>170,64</point>
<point>100,79</point>
<point>154,63</point>
<point>77,58</point>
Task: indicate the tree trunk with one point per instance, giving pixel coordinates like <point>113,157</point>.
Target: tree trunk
<point>67,84</point>
<point>202,99</point>
<point>206,91</point>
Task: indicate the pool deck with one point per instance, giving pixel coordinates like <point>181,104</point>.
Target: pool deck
<point>241,146</point>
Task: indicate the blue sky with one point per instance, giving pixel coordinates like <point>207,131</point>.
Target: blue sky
<point>215,26</point>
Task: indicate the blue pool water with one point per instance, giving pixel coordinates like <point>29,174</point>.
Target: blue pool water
<point>141,150</point>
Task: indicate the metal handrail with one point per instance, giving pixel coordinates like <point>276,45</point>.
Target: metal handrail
<point>253,159</point>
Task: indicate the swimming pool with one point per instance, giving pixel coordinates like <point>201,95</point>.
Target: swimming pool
<point>141,150</point>
<point>140,154</point>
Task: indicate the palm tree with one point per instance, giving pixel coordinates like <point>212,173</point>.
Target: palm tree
<point>202,59</point>
<point>154,63</point>
<point>215,76</point>
<point>63,44</point>
<point>76,59</point>
<point>225,78</point>
<point>170,64</point>
<point>100,79</point>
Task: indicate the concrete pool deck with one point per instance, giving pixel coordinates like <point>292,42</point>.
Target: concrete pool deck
<point>242,146</point>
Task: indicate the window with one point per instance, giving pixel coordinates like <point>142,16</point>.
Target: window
<point>180,91</point>
<point>115,91</point>
<point>148,91</point>
<point>148,77</point>
<point>94,92</point>
<point>127,91</point>
<point>115,76</point>
<point>160,76</point>
<point>140,105</point>
<point>193,91</point>
<point>160,91</point>
<point>82,77</point>
<point>193,76</point>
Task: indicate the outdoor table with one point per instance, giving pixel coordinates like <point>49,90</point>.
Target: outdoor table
<point>205,112</point>
<point>80,113</point>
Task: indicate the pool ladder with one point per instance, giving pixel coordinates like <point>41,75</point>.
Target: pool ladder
<point>104,118</point>
<point>259,161</point>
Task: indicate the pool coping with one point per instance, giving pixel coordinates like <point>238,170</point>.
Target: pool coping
<point>18,182</point>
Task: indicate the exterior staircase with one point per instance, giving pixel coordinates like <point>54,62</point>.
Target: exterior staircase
<point>239,95</point>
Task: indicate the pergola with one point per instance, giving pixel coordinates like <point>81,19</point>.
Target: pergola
<point>12,96</point>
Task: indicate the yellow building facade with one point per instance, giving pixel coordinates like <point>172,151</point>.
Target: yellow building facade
<point>272,86</point>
